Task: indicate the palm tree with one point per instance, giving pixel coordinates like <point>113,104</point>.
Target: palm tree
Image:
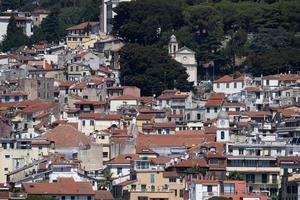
<point>107,180</point>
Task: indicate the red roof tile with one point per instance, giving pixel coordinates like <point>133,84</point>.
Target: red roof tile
<point>99,116</point>
<point>66,136</point>
<point>82,26</point>
<point>64,186</point>
<point>191,162</point>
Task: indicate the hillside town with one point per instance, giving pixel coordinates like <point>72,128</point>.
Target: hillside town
<point>71,128</point>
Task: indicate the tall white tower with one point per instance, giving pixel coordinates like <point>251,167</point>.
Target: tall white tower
<point>173,45</point>
<point>223,134</point>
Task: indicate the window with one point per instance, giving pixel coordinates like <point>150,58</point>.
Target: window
<point>119,170</point>
<point>152,188</point>
<point>172,179</point>
<point>6,98</point>
<point>17,98</point>
<point>5,169</point>
<point>133,187</point>
<point>227,85</point>
<point>175,193</point>
<point>4,145</point>
<point>267,82</point>
<point>237,109</point>
<point>77,68</point>
<point>180,193</point>
<point>274,178</point>
<point>152,178</point>
<point>83,122</point>
<point>71,68</point>
<point>218,85</point>
<point>142,198</point>
<point>216,109</point>
<point>213,161</point>
<point>229,188</point>
<point>222,135</point>
<point>207,110</point>
<point>227,109</point>
<point>91,122</point>
<point>159,131</point>
<point>72,198</point>
<point>198,116</point>
<point>105,154</point>
<point>235,85</point>
<point>250,178</point>
<point>188,116</point>
<point>63,197</point>
<point>89,198</point>
<point>102,137</point>
<point>143,187</point>
<point>209,188</point>
<point>264,178</point>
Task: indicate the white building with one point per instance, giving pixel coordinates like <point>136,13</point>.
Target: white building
<point>25,23</point>
<point>107,13</point>
<point>230,85</point>
<point>223,134</point>
<point>186,57</point>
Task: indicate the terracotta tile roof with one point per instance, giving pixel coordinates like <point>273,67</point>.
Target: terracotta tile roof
<point>160,160</point>
<point>210,130</point>
<point>99,116</point>
<point>191,162</point>
<point>288,160</point>
<point>41,115</point>
<point>38,107</point>
<point>103,195</point>
<point>258,114</point>
<point>176,140</point>
<point>176,96</point>
<point>234,113</point>
<point>213,103</point>
<point>72,110</point>
<point>168,174</point>
<point>234,104</point>
<point>146,99</point>
<point>283,77</point>
<point>40,11</point>
<point>124,159</point>
<point>82,26</point>
<point>217,96</point>
<point>88,102</point>
<point>65,83</point>
<point>289,112</point>
<point>66,136</point>
<point>145,116</point>
<point>79,86</point>
<point>104,70</point>
<point>253,89</point>
<point>64,186</point>
<point>227,79</point>
<point>165,125</point>
<point>40,142</point>
<point>124,97</point>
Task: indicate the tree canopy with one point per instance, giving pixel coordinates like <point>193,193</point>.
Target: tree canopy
<point>151,69</point>
<point>225,33</point>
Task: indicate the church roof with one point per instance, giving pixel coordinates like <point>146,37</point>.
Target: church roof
<point>173,39</point>
<point>185,49</point>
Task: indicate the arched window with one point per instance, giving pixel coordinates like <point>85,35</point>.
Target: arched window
<point>222,135</point>
<point>188,116</point>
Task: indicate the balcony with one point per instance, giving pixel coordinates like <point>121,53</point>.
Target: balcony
<point>17,195</point>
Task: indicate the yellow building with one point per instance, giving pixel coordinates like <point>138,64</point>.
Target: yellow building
<point>83,35</point>
<point>16,153</point>
<point>156,184</point>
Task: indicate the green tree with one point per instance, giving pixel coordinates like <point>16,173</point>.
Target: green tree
<point>196,169</point>
<point>50,28</point>
<point>151,69</point>
<point>14,37</point>
<point>235,176</point>
<point>142,21</point>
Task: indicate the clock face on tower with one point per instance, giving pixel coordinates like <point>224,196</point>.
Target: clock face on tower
<point>222,122</point>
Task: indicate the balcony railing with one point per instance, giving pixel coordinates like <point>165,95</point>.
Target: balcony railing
<point>17,195</point>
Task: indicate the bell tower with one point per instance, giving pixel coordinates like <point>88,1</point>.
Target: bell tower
<point>173,46</point>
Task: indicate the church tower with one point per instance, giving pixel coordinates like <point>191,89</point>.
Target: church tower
<point>223,134</point>
<point>173,46</point>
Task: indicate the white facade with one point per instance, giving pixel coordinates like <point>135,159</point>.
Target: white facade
<point>115,104</point>
<point>4,20</point>
<point>229,87</point>
<point>202,191</point>
<point>223,134</point>
<point>186,57</point>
